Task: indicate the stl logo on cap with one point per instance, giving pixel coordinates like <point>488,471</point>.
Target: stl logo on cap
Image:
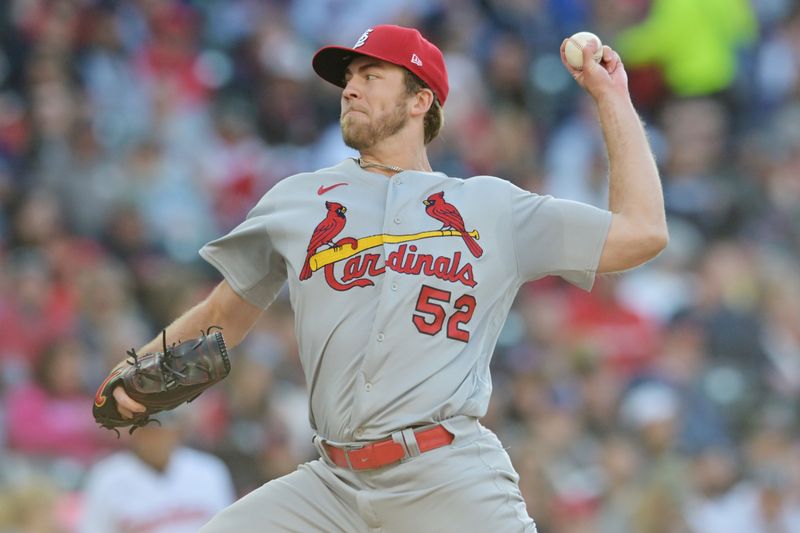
<point>363,39</point>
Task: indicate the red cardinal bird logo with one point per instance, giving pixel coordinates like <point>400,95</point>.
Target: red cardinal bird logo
<point>324,233</point>
<point>437,207</point>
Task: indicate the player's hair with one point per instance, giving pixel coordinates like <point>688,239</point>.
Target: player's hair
<point>434,118</point>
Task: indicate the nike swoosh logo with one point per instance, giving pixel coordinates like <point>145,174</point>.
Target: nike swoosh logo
<point>322,190</point>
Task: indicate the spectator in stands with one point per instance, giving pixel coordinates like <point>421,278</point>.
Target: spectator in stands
<point>47,417</point>
<point>168,488</point>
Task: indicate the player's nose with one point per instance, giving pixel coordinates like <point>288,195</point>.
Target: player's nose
<point>351,90</point>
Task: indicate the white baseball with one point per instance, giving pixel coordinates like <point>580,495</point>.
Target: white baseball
<point>574,48</point>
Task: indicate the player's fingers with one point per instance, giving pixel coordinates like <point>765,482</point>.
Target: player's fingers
<point>610,59</point>
<point>608,53</point>
<point>589,49</point>
<point>126,405</point>
<point>616,64</point>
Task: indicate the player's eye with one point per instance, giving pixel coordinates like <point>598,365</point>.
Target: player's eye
<point>371,77</point>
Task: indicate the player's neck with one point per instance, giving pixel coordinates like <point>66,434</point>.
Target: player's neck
<point>388,161</point>
<point>404,150</point>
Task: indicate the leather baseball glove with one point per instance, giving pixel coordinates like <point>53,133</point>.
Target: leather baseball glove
<point>162,380</point>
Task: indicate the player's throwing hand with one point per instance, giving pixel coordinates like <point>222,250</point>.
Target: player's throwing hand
<point>598,78</point>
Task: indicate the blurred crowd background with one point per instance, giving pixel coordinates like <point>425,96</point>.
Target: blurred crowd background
<point>133,131</point>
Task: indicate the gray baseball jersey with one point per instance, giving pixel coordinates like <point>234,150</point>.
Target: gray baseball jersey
<point>400,285</point>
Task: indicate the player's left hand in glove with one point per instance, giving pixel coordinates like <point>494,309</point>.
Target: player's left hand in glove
<point>162,380</point>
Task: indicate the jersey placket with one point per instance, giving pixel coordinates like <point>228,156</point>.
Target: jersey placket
<point>366,389</point>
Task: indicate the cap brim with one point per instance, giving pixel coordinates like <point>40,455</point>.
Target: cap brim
<point>330,62</point>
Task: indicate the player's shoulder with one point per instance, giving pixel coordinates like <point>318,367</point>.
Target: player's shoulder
<point>480,186</point>
<point>487,181</point>
<point>457,181</point>
<point>495,185</point>
<point>488,186</point>
<point>305,181</point>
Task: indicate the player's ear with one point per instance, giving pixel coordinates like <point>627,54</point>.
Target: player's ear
<point>423,100</point>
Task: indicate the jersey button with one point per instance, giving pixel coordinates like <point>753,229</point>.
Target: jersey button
<point>368,387</point>
<point>380,337</point>
<point>396,220</point>
<point>394,286</point>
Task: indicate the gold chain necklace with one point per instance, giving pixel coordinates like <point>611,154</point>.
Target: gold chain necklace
<point>370,164</point>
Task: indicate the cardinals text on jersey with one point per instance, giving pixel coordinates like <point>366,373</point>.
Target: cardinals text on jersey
<point>359,265</point>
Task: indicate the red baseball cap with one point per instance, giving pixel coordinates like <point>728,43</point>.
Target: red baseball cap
<point>404,47</point>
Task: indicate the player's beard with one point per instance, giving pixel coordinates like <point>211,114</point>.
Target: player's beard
<point>360,135</point>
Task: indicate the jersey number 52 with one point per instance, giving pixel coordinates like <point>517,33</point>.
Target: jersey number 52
<point>433,314</point>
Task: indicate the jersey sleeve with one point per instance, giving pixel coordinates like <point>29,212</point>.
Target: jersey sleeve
<point>247,258</point>
<point>557,237</point>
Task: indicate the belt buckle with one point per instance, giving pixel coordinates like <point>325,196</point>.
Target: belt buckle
<point>347,448</point>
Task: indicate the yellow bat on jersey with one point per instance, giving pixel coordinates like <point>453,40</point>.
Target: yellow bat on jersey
<point>339,253</point>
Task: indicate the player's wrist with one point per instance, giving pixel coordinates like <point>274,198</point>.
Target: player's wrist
<point>616,97</point>
<point>608,88</point>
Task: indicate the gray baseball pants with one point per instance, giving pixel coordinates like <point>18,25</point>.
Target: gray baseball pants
<point>468,486</point>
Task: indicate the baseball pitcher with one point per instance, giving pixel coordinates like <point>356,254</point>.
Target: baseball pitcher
<point>400,278</point>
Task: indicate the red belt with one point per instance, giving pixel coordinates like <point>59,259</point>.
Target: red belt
<point>385,452</point>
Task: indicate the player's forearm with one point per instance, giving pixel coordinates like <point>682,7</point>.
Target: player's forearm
<point>223,308</point>
<point>634,184</point>
<point>189,325</point>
